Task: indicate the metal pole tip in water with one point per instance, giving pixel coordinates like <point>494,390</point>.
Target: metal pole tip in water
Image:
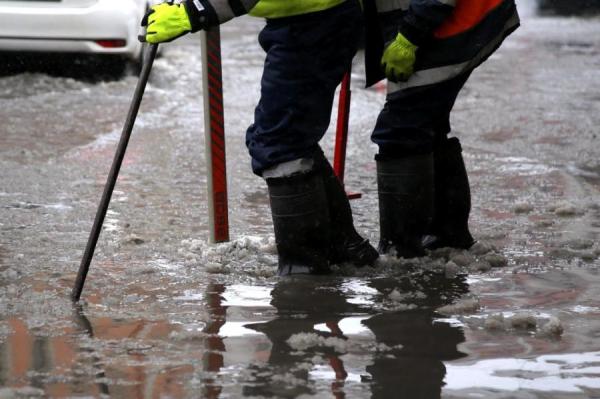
<point>88,254</point>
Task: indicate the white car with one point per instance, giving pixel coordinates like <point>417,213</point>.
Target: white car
<point>106,27</point>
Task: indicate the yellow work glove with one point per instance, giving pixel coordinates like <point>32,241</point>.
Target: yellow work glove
<point>165,22</point>
<point>399,59</point>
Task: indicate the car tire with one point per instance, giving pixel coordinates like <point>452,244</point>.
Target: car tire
<point>113,66</point>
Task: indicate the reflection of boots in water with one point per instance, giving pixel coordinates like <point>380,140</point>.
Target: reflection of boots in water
<point>416,370</point>
<point>315,305</point>
<point>348,245</point>
<point>282,363</point>
<point>405,188</point>
<point>450,226</point>
<point>420,345</point>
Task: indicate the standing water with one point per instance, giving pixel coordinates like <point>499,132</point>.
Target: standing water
<point>164,314</point>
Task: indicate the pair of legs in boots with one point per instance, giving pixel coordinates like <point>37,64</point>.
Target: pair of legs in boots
<point>424,195</point>
<point>306,58</point>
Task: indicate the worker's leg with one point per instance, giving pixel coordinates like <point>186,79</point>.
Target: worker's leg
<point>407,130</point>
<point>301,223</point>
<point>347,244</point>
<point>452,206</point>
<point>307,57</point>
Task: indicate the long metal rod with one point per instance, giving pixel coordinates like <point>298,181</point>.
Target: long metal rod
<point>114,172</point>
<point>214,131</point>
<point>341,134</point>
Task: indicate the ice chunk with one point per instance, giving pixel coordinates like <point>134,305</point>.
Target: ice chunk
<point>462,259</point>
<point>480,266</point>
<point>304,341</point>
<point>523,207</point>
<point>465,305</point>
<point>523,321</point>
<point>552,328</point>
<point>481,248</point>
<point>495,322</point>
<point>496,260</point>
<point>451,270</point>
<point>565,209</point>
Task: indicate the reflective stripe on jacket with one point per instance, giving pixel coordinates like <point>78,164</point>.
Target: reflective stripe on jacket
<point>288,8</point>
<point>226,10</point>
<point>458,41</point>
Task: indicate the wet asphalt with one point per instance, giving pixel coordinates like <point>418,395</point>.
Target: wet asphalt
<point>165,314</point>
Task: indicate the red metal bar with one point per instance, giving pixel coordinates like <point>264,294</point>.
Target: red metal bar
<point>215,136</point>
<point>341,135</point>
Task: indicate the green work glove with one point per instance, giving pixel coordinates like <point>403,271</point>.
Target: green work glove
<point>165,22</point>
<point>399,59</point>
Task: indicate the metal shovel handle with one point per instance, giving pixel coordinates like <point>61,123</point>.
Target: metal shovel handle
<point>84,267</point>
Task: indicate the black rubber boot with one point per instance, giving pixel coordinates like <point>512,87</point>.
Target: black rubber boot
<point>347,244</point>
<point>450,226</point>
<point>405,203</point>
<point>301,223</point>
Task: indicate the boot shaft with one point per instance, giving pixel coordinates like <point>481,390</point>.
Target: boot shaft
<point>405,188</point>
<point>452,197</point>
<point>347,244</point>
<point>301,223</point>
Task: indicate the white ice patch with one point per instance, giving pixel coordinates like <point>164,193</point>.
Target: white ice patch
<point>358,343</point>
<point>256,256</point>
<point>523,167</point>
<point>585,309</point>
<point>321,372</point>
<point>358,292</point>
<point>304,341</point>
<point>451,321</point>
<point>233,329</point>
<point>551,373</point>
<point>247,296</point>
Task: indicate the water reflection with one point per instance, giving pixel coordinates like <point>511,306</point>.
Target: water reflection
<point>86,327</point>
<point>212,359</point>
<point>416,370</point>
<point>414,367</point>
<point>300,307</point>
<point>400,353</point>
<point>356,345</point>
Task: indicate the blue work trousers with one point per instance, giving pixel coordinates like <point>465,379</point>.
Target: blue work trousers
<point>414,121</point>
<point>307,57</point>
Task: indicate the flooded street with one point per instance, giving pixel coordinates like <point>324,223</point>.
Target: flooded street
<point>166,315</point>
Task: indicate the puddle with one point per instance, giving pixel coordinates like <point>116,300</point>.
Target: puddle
<point>165,314</point>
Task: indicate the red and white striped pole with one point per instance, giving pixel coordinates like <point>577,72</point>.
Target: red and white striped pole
<point>341,134</point>
<point>214,131</point>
